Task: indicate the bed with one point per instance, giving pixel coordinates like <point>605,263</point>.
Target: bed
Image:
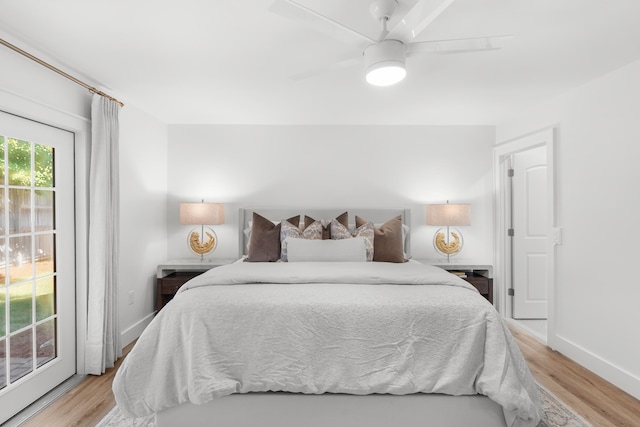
<point>327,341</point>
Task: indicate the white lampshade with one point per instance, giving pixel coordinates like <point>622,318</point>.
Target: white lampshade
<point>449,214</point>
<point>384,63</point>
<point>202,213</point>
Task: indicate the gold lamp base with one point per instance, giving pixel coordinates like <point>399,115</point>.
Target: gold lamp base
<point>202,241</point>
<point>447,242</point>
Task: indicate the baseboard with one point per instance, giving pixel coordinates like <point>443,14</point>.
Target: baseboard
<point>615,375</point>
<point>134,331</point>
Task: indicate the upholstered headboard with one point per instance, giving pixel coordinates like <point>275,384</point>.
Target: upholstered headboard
<point>377,216</point>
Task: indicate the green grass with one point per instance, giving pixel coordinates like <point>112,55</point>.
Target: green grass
<point>21,307</point>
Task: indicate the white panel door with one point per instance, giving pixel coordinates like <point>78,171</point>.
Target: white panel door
<point>37,256</point>
<point>530,234</point>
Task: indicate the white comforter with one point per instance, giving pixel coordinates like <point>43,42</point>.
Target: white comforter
<point>356,328</point>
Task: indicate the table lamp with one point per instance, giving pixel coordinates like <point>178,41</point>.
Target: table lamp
<point>202,240</point>
<point>448,242</point>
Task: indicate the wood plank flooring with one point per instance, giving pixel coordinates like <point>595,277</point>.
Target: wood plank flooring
<point>82,406</point>
<point>595,399</point>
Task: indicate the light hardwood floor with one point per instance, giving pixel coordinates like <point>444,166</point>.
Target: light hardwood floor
<point>595,399</point>
<point>82,406</point>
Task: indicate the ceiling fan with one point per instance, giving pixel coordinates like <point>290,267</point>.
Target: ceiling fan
<point>385,54</point>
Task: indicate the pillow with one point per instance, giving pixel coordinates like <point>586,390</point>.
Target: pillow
<point>343,219</point>
<point>247,230</point>
<point>264,243</point>
<point>346,250</point>
<point>287,230</point>
<point>387,240</point>
<point>339,232</point>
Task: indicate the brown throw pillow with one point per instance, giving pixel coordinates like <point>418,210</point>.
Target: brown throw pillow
<point>264,245</point>
<point>343,219</point>
<point>387,240</point>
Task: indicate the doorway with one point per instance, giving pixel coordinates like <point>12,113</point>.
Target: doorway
<point>525,233</point>
<point>37,261</point>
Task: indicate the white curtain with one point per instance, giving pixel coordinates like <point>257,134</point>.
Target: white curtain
<point>102,346</point>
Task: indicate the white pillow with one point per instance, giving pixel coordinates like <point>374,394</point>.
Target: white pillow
<point>346,250</point>
<point>288,230</point>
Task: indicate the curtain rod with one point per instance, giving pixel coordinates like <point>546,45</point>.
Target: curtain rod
<point>59,71</point>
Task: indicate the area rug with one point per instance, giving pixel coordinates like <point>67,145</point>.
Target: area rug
<point>556,414</point>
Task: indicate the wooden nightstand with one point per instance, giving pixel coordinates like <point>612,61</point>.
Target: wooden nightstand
<point>480,276</point>
<point>173,274</point>
<point>483,284</point>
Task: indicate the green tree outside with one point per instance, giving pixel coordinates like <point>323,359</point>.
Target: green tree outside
<point>17,172</point>
<point>19,164</point>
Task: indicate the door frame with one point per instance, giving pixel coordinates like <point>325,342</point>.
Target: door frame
<point>81,127</point>
<point>502,277</point>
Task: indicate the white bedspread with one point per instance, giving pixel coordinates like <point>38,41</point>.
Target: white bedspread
<point>357,328</point>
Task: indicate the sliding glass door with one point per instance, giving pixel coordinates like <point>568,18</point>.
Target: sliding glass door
<point>37,271</point>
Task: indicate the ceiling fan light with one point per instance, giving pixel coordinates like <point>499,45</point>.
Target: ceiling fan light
<point>386,73</point>
<point>384,62</point>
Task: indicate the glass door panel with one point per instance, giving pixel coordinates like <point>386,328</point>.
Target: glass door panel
<point>21,360</point>
<point>37,315</point>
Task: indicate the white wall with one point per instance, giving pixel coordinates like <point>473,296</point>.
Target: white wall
<point>24,79</point>
<point>333,167</point>
<point>597,295</point>
<point>31,90</point>
<point>143,208</point>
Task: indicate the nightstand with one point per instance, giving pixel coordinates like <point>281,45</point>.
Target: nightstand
<point>175,273</point>
<point>480,276</point>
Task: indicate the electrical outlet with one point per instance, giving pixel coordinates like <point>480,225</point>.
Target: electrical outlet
<point>130,297</point>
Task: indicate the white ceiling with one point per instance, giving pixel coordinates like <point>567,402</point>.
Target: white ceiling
<point>213,61</point>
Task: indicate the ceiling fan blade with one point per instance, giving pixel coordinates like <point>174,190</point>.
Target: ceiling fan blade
<point>295,11</point>
<point>419,17</point>
<point>327,68</point>
<point>475,44</point>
